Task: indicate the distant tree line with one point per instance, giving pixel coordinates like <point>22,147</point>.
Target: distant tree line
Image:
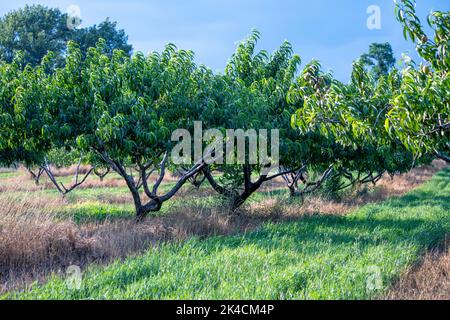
<point>35,30</point>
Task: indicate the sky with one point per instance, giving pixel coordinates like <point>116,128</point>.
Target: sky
<point>333,32</point>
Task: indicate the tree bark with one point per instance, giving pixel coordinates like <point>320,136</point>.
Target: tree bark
<point>156,201</point>
<point>238,199</point>
<point>442,157</point>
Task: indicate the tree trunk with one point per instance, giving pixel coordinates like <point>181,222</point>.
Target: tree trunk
<point>443,157</point>
<point>292,192</point>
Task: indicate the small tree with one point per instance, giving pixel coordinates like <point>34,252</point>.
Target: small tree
<point>257,85</point>
<point>352,117</point>
<point>380,59</point>
<point>114,37</point>
<point>23,139</point>
<point>123,110</point>
<point>34,30</point>
<point>420,113</point>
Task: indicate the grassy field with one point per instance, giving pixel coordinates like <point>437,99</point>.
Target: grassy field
<point>354,256</point>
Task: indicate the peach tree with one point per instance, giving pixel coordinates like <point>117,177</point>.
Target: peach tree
<point>420,113</point>
<point>120,112</point>
<point>23,112</point>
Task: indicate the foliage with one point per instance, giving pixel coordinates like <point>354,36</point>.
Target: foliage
<point>23,113</point>
<point>256,87</point>
<point>36,30</point>
<point>380,59</point>
<point>420,113</point>
<point>121,110</point>
<point>115,38</point>
<point>352,117</point>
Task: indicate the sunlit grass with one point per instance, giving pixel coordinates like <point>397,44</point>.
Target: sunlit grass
<point>8,174</point>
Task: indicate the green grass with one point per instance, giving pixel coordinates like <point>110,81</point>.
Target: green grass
<point>321,257</point>
<point>89,209</point>
<point>94,211</point>
<point>8,174</point>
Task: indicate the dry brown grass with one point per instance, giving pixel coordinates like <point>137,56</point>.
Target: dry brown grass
<point>69,171</point>
<point>23,181</point>
<point>33,243</point>
<point>428,280</point>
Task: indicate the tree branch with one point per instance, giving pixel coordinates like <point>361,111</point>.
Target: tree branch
<point>442,156</point>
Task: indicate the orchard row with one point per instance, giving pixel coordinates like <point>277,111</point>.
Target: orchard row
<point>115,112</point>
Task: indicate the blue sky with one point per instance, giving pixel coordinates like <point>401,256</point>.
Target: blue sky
<point>334,32</point>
